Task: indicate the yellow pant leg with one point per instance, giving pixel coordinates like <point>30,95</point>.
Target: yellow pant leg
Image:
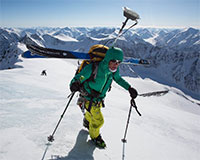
<point>95,119</point>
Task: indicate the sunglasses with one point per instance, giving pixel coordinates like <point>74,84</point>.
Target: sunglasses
<point>115,61</point>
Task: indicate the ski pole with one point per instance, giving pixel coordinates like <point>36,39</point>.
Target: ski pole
<point>51,138</point>
<point>156,93</point>
<point>129,115</point>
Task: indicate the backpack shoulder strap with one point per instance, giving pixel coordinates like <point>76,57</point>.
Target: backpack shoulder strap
<point>82,65</point>
<point>93,75</point>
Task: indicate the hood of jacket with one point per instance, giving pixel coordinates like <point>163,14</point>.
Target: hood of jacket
<point>113,53</point>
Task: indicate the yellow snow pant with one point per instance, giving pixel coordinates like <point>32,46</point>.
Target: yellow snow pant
<point>95,118</point>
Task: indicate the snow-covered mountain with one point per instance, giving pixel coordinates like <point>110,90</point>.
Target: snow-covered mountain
<point>31,105</point>
<point>174,53</point>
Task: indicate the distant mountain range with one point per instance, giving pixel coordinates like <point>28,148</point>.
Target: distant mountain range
<point>174,53</point>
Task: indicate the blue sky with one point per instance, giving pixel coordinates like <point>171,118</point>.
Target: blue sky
<point>89,13</point>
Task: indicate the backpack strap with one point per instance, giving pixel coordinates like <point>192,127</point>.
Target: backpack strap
<point>92,77</point>
<point>82,65</point>
<point>95,66</point>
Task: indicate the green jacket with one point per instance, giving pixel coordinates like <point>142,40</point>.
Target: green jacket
<point>104,76</point>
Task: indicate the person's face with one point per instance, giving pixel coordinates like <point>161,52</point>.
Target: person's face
<point>113,64</point>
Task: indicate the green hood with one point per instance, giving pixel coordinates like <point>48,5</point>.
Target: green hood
<point>114,53</point>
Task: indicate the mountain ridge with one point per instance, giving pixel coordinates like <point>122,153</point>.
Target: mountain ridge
<point>174,53</point>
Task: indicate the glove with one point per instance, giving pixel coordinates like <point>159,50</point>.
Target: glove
<point>133,92</point>
<point>75,86</point>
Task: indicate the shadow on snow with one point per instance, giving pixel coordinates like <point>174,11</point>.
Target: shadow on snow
<point>83,149</point>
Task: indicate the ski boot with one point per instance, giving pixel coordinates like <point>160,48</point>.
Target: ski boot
<point>99,142</point>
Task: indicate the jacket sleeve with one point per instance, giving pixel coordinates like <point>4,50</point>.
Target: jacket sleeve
<point>83,75</point>
<point>120,80</point>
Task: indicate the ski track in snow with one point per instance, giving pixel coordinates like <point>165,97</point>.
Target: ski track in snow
<point>31,105</point>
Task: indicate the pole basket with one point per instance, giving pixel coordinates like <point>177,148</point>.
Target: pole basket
<point>124,140</point>
<point>50,138</point>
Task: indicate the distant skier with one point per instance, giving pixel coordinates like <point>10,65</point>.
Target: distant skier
<point>94,90</point>
<point>44,73</point>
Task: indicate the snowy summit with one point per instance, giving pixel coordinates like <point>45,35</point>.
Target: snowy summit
<point>31,104</point>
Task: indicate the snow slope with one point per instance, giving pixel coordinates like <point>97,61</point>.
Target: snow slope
<point>31,105</point>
